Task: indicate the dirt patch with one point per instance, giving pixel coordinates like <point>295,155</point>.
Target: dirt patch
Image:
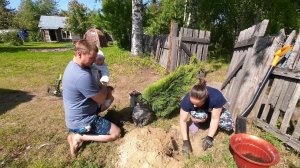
<point>150,147</point>
<point>124,84</point>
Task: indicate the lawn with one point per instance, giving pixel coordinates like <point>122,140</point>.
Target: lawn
<point>33,132</point>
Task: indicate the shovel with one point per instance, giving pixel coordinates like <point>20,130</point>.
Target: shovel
<point>241,120</point>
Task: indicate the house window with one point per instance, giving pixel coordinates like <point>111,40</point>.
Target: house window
<point>65,34</point>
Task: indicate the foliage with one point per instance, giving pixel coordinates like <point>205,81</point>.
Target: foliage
<point>12,38</point>
<point>6,15</point>
<point>29,13</point>
<point>225,19</point>
<point>27,16</point>
<point>116,18</point>
<point>77,17</point>
<point>161,15</point>
<point>164,95</point>
<point>35,36</point>
<point>94,19</point>
<point>47,7</point>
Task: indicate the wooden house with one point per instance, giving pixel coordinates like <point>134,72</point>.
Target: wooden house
<point>53,29</point>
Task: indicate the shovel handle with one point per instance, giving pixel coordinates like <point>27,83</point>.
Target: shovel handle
<point>280,53</point>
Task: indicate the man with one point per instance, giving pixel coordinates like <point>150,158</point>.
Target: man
<point>81,96</point>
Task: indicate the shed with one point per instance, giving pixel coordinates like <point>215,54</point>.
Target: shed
<point>96,36</point>
<point>53,28</point>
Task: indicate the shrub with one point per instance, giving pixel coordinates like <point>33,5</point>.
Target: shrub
<point>35,36</point>
<point>164,95</point>
<point>11,37</point>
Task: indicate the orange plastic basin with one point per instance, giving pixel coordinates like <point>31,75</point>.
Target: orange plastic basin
<point>250,151</point>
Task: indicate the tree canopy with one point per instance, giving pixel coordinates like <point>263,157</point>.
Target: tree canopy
<point>6,15</point>
<point>29,12</point>
<point>77,17</point>
<point>225,19</point>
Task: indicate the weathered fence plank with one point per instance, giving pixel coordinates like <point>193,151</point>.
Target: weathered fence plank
<point>287,73</point>
<point>292,61</point>
<point>205,49</point>
<point>283,89</point>
<point>245,43</point>
<point>294,143</point>
<point>290,108</point>
<point>200,46</point>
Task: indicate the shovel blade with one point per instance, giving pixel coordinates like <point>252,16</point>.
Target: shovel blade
<point>241,125</point>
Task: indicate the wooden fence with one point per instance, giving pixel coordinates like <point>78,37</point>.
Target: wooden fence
<point>276,110</point>
<point>177,48</point>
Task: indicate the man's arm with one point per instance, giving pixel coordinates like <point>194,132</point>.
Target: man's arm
<point>101,95</point>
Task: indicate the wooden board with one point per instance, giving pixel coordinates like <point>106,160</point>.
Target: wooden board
<point>205,48</point>
<point>290,140</point>
<point>291,108</point>
<point>200,46</point>
<point>284,86</point>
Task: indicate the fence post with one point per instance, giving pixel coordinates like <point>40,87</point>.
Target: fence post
<point>171,65</point>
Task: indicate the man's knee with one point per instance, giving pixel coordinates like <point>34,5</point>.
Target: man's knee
<point>116,135</point>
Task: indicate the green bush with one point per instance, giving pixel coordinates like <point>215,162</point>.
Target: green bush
<point>11,38</point>
<point>35,36</point>
<point>164,95</point>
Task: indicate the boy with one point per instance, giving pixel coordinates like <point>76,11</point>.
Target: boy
<point>100,73</point>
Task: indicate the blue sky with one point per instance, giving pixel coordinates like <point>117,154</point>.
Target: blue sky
<point>62,4</point>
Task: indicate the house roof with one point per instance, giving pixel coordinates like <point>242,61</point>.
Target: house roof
<point>52,22</point>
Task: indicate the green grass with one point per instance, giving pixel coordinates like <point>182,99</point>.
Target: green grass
<point>34,134</point>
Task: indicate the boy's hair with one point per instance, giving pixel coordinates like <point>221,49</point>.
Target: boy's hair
<point>84,46</point>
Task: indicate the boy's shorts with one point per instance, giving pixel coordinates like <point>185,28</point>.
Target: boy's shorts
<point>99,126</point>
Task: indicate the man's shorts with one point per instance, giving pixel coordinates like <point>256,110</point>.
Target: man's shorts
<point>99,126</point>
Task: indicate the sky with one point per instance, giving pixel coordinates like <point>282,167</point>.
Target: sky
<point>62,4</point>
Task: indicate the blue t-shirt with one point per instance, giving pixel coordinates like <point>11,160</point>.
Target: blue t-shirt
<point>215,100</point>
<point>78,88</point>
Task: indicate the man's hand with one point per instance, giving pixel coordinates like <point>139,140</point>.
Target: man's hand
<point>207,142</point>
<point>186,148</point>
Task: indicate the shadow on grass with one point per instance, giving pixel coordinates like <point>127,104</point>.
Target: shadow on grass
<point>119,117</point>
<point>9,99</point>
<point>27,47</point>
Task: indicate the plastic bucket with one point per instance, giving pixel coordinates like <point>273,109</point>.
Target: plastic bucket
<point>250,151</point>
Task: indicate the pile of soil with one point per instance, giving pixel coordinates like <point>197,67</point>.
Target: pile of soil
<point>150,147</point>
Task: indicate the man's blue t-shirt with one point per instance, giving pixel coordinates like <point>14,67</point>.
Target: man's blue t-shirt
<point>215,100</point>
<point>78,88</point>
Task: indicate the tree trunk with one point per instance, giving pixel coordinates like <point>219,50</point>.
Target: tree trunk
<point>137,28</point>
<point>190,13</point>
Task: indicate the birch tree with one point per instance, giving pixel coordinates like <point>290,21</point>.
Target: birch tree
<point>137,28</point>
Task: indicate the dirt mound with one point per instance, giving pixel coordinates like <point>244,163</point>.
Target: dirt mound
<point>150,147</point>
